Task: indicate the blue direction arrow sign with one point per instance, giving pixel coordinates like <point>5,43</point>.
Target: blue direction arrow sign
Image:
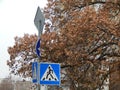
<point>49,73</point>
<point>38,48</point>
<point>35,72</point>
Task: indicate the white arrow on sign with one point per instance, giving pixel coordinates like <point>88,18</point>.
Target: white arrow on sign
<point>39,21</point>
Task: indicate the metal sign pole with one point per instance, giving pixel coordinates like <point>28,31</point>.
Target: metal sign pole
<point>38,86</point>
<point>39,34</point>
<point>47,73</point>
<point>39,23</point>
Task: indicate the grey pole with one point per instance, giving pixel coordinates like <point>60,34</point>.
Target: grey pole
<point>39,23</point>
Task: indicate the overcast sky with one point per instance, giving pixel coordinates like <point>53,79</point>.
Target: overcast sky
<point>16,18</point>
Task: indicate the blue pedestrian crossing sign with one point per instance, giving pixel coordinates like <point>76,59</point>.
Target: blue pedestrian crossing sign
<point>38,48</point>
<point>50,73</point>
<point>35,72</point>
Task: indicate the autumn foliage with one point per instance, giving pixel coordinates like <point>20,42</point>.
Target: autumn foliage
<point>83,36</point>
<point>22,54</point>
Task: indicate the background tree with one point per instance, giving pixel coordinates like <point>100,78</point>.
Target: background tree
<point>22,54</point>
<point>82,35</point>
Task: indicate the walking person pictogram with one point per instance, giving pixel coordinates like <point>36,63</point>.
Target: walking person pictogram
<point>50,72</point>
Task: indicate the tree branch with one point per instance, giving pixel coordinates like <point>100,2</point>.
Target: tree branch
<point>96,2</point>
<point>102,45</point>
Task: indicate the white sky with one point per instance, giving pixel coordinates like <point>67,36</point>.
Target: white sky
<point>16,18</point>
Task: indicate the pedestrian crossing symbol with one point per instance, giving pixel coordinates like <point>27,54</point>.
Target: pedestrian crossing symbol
<point>49,73</point>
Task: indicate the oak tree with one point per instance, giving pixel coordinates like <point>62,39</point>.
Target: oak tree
<point>82,35</point>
